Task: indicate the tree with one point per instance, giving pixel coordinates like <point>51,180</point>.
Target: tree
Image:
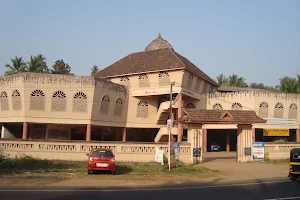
<point>236,81</point>
<point>233,81</point>
<point>60,67</point>
<point>18,66</point>
<point>94,69</point>
<point>38,64</point>
<point>222,80</point>
<point>290,85</point>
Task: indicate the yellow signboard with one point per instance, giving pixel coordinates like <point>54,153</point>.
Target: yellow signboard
<point>276,132</point>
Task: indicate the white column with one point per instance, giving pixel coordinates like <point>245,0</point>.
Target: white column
<point>244,140</point>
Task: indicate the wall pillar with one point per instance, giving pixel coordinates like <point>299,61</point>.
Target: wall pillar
<point>179,114</point>
<point>204,139</point>
<point>124,134</point>
<point>47,132</point>
<point>227,141</point>
<point>25,131</point>
<point>88,132</point>
<point>253,134</point>
<point>298,135</point>
<point>196,142</point>
<point>244,140</point>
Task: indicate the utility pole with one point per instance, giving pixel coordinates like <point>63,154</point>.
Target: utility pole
<point>170,119</point>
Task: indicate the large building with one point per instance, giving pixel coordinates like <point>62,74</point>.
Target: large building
<point>130,99</point>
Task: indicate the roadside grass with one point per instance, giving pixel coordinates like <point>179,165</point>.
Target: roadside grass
<point>277,161</point>
<point>28,164</point>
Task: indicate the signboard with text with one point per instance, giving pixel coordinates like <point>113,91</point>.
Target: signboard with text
<point>276,132</point>
<point>258,151</point>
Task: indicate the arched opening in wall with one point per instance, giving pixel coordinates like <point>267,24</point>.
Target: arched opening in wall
<point>190,105</point>
<point>293,110</point>
<point>37,100</point>
<point>142,110</point>
<point>143,80</point>
<point>59,101</point>
<point>217,106</point>
<point>125,81</point>
<point>263,110</point>
<point>163,78</point>
<point>204,88</point>
<point>118,107</point>
<point>4,101</point>
<point>79,102</point>
<point>236,106</point>
<point>278,111</point>
<point>16,100</point>
<point>198,84</point>
<point>189,81</point>
<point>104,105</point>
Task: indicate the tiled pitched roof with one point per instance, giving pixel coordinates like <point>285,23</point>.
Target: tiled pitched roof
<point>220,117</point>
<point>155,60</point>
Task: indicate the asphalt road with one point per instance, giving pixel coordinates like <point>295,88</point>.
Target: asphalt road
<point>258,190</point>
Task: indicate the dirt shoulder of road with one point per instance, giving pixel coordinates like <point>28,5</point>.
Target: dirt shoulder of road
<point>224,171</point>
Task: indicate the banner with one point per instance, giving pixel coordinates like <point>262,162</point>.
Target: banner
<point>258,151</point>
<point>176,144</point>
<point>172,161</point>
<point>276,132</point>
<point>159,156</point>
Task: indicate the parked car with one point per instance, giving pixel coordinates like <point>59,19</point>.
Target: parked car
<point>100,159</point>
<point>215,147</point>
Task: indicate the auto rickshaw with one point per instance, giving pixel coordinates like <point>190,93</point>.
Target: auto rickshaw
<point>294,173</point>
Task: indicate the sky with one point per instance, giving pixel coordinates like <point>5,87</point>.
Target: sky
<point>257,40</point>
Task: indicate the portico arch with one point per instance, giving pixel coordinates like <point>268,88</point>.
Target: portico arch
<point>243,119</point>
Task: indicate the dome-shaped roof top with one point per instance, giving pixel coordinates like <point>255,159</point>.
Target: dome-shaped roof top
<point>158,43</point>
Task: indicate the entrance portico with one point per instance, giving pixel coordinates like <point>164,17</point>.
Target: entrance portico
<point>196,118</point>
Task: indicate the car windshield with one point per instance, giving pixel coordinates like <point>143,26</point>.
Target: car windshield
<point>102,154</point>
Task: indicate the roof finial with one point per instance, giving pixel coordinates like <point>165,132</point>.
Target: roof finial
<point>159,35</point>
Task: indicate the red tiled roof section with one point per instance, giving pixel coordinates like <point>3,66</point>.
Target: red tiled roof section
<point>155,60</point>
<point>220,117</point>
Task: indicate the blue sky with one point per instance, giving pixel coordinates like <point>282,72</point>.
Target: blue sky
<point>258,40</point>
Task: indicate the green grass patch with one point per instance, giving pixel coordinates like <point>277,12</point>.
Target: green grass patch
<point>277,161</point>
<point>25,163</point>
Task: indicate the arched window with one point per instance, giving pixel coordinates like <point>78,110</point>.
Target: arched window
<point>198,84</point>
<point>217,106</point>
<point>293,110</point>
<point>16,100</point>
<point>236,106</point>
<point>118,107</point>
<point>37,100</point>
<point>104,105</point>
<point>79,102</point>
<point>263,110</point>
<point>125,81</point>
<point>189,81</point>
<point>142,109</point>
<point>190,105</point>
<point>204,88</point>
<point>143,80</point>
<point>59,101</point>
<point>278,111</point>
<point>163,78</point>
<point>4,101</point>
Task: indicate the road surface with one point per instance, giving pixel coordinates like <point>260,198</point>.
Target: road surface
<point>260,190</point>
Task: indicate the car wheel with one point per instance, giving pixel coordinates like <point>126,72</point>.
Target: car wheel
<point>90,171</point>
<point>113,172</point>
<point>293,177</point>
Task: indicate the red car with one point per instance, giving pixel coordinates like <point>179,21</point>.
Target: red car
<point>101,160</point>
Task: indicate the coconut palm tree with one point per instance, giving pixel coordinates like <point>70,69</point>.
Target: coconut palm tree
<point>18,66</point>
<point>38,64</point>
<point>222,80</point>
<point>94,69</point>
<point>288,84</point>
